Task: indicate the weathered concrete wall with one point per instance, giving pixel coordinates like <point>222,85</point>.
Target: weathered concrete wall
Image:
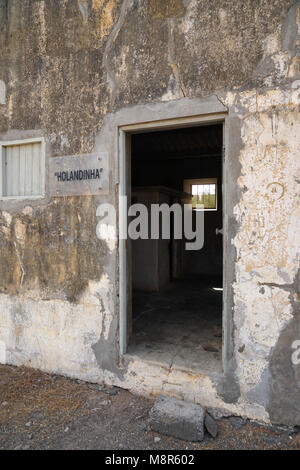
<point>71,71</point>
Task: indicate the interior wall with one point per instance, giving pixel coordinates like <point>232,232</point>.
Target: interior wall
<point>154,166</point>
<point>150,258</point>
<point>209,260</point>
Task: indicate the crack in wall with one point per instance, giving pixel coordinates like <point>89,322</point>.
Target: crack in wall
<point>172,57</point>
<point>21,265</point>
<point>220,101</point>
<point>286,287</point>
<point>111,76</point>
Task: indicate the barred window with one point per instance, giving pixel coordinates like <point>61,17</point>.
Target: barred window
<point>204,193</point>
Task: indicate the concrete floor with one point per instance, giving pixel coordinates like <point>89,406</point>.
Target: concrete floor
<point>180,327</point>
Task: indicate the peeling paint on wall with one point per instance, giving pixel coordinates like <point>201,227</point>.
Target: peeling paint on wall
<point>73,72</point>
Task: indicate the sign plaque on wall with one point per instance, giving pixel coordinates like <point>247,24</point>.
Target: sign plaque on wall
<point>79,175</point>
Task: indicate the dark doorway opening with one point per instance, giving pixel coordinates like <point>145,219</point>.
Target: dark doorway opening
<point>177,294</point>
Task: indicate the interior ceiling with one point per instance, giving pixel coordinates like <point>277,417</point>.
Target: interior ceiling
<point>178,143</point>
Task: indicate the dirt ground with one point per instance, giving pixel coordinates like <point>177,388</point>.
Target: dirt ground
<point>42,411</point>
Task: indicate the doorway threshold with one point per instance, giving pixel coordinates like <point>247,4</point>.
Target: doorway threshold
<point>176,359</point>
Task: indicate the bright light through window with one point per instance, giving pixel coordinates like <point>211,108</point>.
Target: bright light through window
<point>204,195</point>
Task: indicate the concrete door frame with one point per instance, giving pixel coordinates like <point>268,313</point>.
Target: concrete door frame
<point>124,136</point>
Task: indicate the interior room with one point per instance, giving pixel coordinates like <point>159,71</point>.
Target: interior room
<point>176,293</point>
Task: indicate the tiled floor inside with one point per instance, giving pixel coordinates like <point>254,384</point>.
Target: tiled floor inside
<point>180,327</point>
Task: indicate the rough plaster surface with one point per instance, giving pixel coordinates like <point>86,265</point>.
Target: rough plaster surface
<point>268,239</point>
<point>72,72</point>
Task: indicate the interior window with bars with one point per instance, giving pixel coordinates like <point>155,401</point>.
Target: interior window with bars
<point>204,193</point>
<point>22,169</point>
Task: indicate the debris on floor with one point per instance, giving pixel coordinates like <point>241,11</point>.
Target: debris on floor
<point>217,332</point>
<point>170,328</point>
<point>211,425</point>
<point>211,347</point>
<point>237,422</point>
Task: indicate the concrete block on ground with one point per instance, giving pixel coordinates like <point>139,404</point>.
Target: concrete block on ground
<point>178,419</point>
